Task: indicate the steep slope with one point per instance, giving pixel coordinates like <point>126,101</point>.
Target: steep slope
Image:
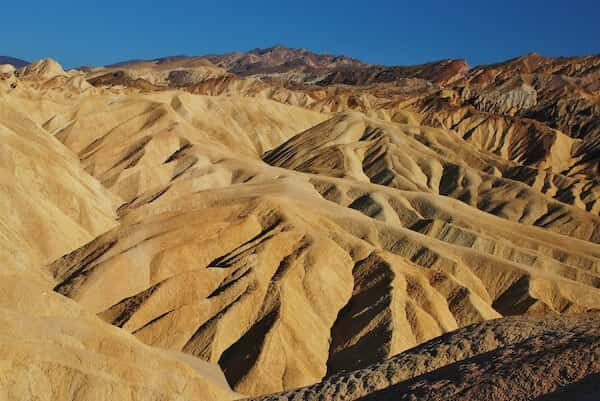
<point>127,144</point>
<point>367,270</point>
<point>550,99</point>
<point>42,69</point>
<point>352,146</point>
<point>54,205</point>
<point>507,359</point>
<point>51,348</point>
<point>534,111</point>
<point>547,98</point>
<point>560,92</point>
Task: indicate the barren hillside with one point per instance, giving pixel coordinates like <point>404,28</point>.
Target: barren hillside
<point>222,227</point>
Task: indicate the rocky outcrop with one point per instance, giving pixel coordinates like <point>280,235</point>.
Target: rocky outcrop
<point>508,359</point>
<point>42,69</point>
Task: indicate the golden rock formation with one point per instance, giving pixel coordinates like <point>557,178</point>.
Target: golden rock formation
<point>171,230</point>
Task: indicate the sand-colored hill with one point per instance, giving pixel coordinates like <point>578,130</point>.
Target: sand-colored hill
<point>41,69</point>
<point>261,236</point>
<point>173,72</point>
<point>53,349</point>
<point>127,144</point>
<point>252,236</point>
<point>549,97</point>
<point>413,158</point>
<point>55,206</point>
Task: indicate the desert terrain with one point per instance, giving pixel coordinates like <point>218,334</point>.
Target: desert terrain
<point>284,225</point>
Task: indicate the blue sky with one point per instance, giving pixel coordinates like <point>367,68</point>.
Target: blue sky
<point>387,32</point>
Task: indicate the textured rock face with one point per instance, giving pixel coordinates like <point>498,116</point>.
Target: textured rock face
<point>279,59</point>
<point>42,69</point>
<point>50,347</point>
<point>54,205</point>
<point>507,359</point>
<point>442,72</point>
<point>362,207</point>
<point>409,239</point>
<point>53,350</point>
<point>151,75</point>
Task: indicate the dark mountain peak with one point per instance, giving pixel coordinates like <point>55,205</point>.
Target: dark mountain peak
<point>280,58</point>
<point>274,48</point>
<point>171,59</point>
<point>299,52</point>
<point>17,63</point>
<point>160,60</point>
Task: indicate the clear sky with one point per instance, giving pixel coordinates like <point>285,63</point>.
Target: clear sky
<point>376,31</point>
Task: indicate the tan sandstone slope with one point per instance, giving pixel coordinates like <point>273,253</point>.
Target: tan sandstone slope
<point>51,348</point>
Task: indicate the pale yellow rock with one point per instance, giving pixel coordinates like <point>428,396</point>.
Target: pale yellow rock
<point>7,69</point>
<point>51,349</point>
<point>42,70</point>
<point>51,205</point>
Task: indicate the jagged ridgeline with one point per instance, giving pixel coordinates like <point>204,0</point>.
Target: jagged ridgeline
<point>283,225</point>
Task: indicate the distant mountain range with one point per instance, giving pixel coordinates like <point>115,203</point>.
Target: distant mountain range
<point>252,60</point>
<point>14,61</point>
<point>305,66</point>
